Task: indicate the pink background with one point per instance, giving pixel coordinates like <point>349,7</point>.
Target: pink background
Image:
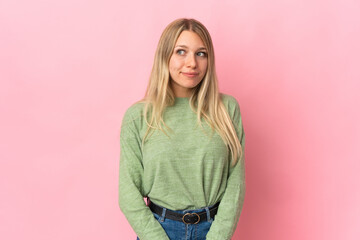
<point>70,69</point>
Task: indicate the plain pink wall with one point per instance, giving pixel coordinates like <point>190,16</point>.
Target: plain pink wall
<point>70,69</point>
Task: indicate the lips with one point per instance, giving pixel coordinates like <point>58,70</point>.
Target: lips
<point>190,74</point>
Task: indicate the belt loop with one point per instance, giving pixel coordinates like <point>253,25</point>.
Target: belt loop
<point>208,214</point>
<point>162,217</point>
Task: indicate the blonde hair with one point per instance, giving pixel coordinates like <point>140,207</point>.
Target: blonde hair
<point>205,99</point>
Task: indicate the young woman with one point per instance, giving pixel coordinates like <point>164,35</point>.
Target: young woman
<point>182,145</point>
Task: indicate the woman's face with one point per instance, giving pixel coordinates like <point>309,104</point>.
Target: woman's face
<point>188,63</point>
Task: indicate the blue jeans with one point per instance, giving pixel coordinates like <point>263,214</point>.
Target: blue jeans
<point>180,231</point>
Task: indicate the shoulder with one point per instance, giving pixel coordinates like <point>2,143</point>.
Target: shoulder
<point>133,112</point>
<point>227,98</point>
<point>230,102</point>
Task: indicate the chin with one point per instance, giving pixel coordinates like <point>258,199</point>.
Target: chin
<point>191,85</point>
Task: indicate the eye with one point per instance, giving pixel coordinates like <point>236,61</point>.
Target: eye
<point>180,52</point>
<point>201,54</point>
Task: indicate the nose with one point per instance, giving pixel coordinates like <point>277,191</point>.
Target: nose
<point>191,61</point>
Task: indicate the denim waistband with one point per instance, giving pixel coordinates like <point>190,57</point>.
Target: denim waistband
<point>187,211</point>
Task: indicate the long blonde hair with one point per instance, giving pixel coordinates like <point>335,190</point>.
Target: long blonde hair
<point>205,99</point>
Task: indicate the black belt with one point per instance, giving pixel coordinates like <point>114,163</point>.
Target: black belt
<point>187,218</point>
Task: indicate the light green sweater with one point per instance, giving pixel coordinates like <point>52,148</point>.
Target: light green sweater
<point>187,170</point>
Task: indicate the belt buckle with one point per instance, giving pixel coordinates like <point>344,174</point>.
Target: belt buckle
<point>198,220</point>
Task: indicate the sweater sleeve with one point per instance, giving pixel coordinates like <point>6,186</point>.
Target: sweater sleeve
<point>131,199</point>
<point>226,219</point>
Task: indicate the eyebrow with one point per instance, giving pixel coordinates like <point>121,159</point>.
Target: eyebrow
<point>184,46</point>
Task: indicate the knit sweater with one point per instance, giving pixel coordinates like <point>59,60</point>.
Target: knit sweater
<point>188,169</point>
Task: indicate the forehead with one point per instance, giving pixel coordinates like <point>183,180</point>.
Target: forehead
<point>189,39</point>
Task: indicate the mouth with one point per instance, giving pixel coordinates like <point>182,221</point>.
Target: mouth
<point>190,74</point>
